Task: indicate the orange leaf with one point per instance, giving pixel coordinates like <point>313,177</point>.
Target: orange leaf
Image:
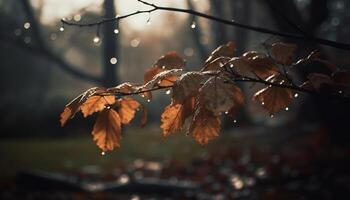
<point>143,120</point>
<point>107,130</point>
<point>274,99</point>
<point>174,116</point>
<point>151,73</point>
<point>227,50</point>
<point>164,78</point>
<point>283,53</point>
<point>218,96</point>
<point>205,126</point>
<point>127,109</point>
<point>95,104</point>
<point>187,85</point>
<point>170,60</point>
<point>74,106</point>
<point>216,64</point>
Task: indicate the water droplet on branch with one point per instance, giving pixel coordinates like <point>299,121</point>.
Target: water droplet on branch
<point>167,92</point>
<point>96,39</point>
<point>286,108</point>
<point>296,95</point>
<point>193,25</point>
<point>113,60</point>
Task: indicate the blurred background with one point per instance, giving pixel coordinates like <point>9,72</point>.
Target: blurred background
<point>301,153</point>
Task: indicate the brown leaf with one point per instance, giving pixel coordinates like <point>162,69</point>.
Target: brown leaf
<point>283,53</point>
<point>205,126</point>
<point>123,88</point>
<point>127,109</point>
<point>218,96</point>
<point>216,64</point>
<point>143,120</point>
<point>95,104</point>
<point>74,106</point>
<point>164,79</point>
<point>107,130</point>
<point>170,60</point>
<point>174,116</point>
<point>342,78</point>
<point>227,50</point>
<point>317,81</point>
<point>187,85</point>
<point>151,73</point>
<point>274,99</point>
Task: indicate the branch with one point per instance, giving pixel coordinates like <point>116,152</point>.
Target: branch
<point>218,19</point>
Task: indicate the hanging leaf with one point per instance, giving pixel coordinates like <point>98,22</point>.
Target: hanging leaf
<point>219,96</point>
<point>216,64</point>
<point>205,126</point>
<point>107,130</point>
<point>283,53</point>
<point>95,104</point>
<point>170,60</point>
<point>174,116</point>
<point>127,109</point>
<point>227,50</point>
<point>164,78</point>
<point>274,99</point>
<point>74,106</point>
<point>143,120</point>
<point>188,85</point>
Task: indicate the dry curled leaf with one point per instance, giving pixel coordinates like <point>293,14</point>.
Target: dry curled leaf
<point>205,126</point>
<point>219,96</point>
<point>127,109</point>
<point>107,130</point>
<point>151,73</point>
<point>188,85</point>
<point>216,64</point>
<point>164,79</point>
<point>95,104</point>
<point>274,99</point>
<point>226,50</point>
<point>74,106</point>
<point>170,60</point>
<point>174,116</point>
<point>283,53</point>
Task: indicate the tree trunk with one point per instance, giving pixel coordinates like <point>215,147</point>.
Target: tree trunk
<point>110,49</point>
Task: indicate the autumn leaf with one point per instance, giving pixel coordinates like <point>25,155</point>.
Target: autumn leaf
<point>342,78</point>
<point>274,99</point>
<point>253,63</point>
<point>95,104</point>
<point>205,126</point>
<point>170,60</point>
<point>174,116</point>
<point>127,109</point>
<point>216,64</point>
<point>283,53</point>
<point>227,50</point>
<point>219,96</point>
<point>151,73</point>
<point>188,85</point>
<point>124,88</point>
<point>143,120</point>
<point>107,130</point>
<point>74,106</point>
<point>164,79</point>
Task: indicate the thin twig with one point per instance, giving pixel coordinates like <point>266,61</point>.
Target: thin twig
<point>306,38</point>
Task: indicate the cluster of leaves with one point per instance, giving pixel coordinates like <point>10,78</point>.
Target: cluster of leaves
<point>199,97</point>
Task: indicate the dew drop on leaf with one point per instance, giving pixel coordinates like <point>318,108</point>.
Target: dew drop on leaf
<point>168,92</point>
<point>148,100</point>
<point>103,153</point>
<point>286,108</point>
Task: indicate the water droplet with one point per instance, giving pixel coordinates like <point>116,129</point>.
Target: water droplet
<point>142,95</point>
<point>108,107</point>
<point>77,17</point>
<point>340,92</point>
<point>262,103</point>
<point>26,25</point>
<point>296,95</point>
<point>193,25</point>
<point>159,82</point>
<point>103,153</point>
<point>286,108</point>
<point>116,31</point>
<point>113,60</point>
<point>149,22</point>
<point>168,92</point>
<point>235,121</point>
<point>96,39</point>
<point>226,112</point>
<point>231,65</point>
<point>271,115</point>
<point>148,100</point>
<point>61,28</point>
<point>123,179</point>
